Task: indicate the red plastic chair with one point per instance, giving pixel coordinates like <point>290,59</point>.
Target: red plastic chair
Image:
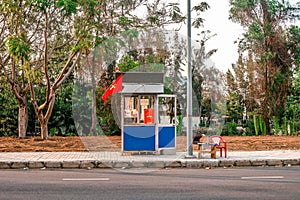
<point>220,142</point>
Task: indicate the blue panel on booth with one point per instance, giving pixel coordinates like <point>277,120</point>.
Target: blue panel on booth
<point>139,138</point>
<point>166,137</point>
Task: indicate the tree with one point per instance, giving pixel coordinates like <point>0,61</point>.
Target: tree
<point>240,86</point>
<point>234,110</point>
<point>244,92</point>
<point>174,80</point>
<point>15,49</point>
<point>9,110</point>
<point>61,121</point>
<point>44,42</point>
<point>292,112</point>
<point>72,40</point>
<point>203,76</point>
<point>200,71</point>
<point>266,38</point>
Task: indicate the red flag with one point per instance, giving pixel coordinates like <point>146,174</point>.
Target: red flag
<point>113,88</point>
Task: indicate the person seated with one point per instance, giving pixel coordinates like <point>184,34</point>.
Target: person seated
<point>197,138</point>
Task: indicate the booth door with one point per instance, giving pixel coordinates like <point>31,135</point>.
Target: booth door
<point>167,121</point>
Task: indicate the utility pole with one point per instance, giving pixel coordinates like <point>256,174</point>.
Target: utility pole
<point>189,133</point>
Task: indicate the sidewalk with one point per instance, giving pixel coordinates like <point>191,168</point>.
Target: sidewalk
<point>88,160</point>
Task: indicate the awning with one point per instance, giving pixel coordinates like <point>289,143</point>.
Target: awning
<point>143,88</point>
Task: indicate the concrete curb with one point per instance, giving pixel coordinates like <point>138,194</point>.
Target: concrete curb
<point>181,163</point>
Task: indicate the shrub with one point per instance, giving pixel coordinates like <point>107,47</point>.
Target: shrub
<point>230,129</point>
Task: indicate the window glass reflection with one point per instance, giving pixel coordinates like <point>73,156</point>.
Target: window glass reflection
<point>139,109</point>
<point>166,107</point>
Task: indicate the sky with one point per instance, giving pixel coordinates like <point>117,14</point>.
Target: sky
<point>226,33</point>
<point>216,20</point>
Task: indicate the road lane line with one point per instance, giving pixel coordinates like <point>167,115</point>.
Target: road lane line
<point>262,177</point>
<point>85,179</point>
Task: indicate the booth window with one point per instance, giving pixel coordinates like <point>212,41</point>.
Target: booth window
<point>139,109</point>
<point>146,109</point>
<point>130,110</point>
<point>166,107</point>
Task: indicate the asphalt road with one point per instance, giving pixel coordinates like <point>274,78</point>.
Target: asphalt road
<point>230,183</point>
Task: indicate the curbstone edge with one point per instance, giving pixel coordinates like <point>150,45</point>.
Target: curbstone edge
<point>258,163</point>
<point>242,163</point>
<point>18,165</point>
<point>53,164</point>
<point>4,165</point>
<point>35,165</point>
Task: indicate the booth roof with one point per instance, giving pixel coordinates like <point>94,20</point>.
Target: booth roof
<point>142,77</point>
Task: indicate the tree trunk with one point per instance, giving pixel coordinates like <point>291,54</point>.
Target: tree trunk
<point>44,129</point>
<point>266,121</point>
<point>22,119</point>
<point>94,100</point>
<point>43,120</point>
<point>94,116</point>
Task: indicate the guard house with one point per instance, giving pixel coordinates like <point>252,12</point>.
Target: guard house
<point>148,116</point>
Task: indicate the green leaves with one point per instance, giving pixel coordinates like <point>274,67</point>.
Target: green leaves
<point>175,12</point>
<point>275,47</point>
<point>127,63</point>
<point>68,7</point>
<point>18,47</point>
<point>198,22</point>
<point>8,6</point>
<point>294,43</point>
<point>9,110</point>
<point>153,19</point>
<point>275,7</point>
<point>255,31</point>
<point>203,6</point>
<point>42,4</point>
<point>243,4</point>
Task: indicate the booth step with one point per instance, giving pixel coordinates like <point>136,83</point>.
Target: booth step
<point>129,153</point>
<point>167,151</point>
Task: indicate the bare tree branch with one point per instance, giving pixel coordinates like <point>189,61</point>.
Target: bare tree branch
<point>46,57</point>
<point>68,73</point>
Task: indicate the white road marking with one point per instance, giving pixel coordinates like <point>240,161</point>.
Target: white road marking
<point>85,179</point>
<point>263,177</point>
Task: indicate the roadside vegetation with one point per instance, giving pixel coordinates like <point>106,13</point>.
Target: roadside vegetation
<point>44,45</point>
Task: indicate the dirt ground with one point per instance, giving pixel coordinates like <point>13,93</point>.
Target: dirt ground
<point>113,143</point>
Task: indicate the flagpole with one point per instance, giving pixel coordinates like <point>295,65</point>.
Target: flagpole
<point>189,133</point>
